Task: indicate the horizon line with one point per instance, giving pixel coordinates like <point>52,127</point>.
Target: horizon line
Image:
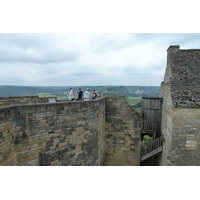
<point>78,85</point>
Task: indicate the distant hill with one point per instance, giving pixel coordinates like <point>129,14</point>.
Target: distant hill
<point>29,90</point>
<point>59,91</point>
<point>122,90</point>
<point>132,91</point>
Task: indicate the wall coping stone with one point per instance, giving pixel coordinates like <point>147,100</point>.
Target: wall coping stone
<point>56,103</point>
<point>10,97</point>
<point>173,46</point>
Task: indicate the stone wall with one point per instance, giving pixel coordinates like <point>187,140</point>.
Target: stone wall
<point>123,126</point>
<point>69,133</point>
<point>180,91</point>
<point>182,139</point>
<point>184,80</point>
<point>185,147</point>
<point>167,124</point>
<point>105,131</point>
<point>16,100</point>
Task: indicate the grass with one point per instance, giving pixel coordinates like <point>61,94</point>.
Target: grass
<point>62,97</point>
<point>51,95</point>
<point>45,94</point>
<point>134,100</point>
<point>138,109</point>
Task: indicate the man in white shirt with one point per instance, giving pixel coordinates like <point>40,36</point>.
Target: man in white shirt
<point>87,95</point>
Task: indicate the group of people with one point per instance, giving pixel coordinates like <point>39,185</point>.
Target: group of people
<point>82,96</point>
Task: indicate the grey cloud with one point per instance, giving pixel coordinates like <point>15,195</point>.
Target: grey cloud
<point>101,43</point>
<point>87,59</point>
<point>34,48</point>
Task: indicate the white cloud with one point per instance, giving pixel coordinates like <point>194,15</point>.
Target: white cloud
<point>87,59</point>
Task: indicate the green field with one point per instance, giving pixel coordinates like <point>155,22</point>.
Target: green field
<point>133,101</point>
<point>137,109</point>
<point>45,94</point>
<point>61,97</point>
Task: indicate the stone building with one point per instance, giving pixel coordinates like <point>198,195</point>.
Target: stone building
<point>180,91</point>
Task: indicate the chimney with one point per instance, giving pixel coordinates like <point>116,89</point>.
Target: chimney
<point>173,48</point>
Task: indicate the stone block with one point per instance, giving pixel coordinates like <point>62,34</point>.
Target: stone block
<point>191,145</point>
<point>54,162</point>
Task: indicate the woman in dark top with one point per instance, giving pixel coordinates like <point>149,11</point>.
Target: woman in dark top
<point>95,93</point>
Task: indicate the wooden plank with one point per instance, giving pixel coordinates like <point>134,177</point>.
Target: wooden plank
<point>152,103</point>
<point>154,152</point>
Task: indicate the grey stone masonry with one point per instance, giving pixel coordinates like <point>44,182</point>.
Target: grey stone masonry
<point>123,127</point>
<point>18,100</point>
<point>104,131</point>
<point>184,80</point>
<point>48,134</point>
<point>180,91</point>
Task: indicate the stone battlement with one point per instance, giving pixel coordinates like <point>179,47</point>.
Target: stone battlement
<point>18,100</point>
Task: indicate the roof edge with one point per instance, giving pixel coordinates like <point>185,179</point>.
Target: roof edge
<point>174,47</point>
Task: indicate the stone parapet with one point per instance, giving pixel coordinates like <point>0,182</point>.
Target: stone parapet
<point>21,100</point>
<point>70,133</point>
<point>104,131</point>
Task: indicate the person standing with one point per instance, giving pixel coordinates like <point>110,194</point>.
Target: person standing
<point>80,94</point>
<point>87,95</point>
<point>71,94</point>
<point>95,93</point>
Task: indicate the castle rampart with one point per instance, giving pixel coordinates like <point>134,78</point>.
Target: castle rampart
<point>16,100</point>
<point>69,133</point>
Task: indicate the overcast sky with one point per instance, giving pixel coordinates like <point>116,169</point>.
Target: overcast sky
<point>87,59</point>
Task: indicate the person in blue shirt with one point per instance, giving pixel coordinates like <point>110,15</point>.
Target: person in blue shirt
<point>80,94</point>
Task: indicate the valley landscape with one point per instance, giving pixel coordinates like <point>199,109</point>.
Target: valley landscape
<point>133,93</point>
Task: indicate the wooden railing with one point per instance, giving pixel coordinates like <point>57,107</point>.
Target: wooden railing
<point>151,146</point>
<point>149,126</point>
